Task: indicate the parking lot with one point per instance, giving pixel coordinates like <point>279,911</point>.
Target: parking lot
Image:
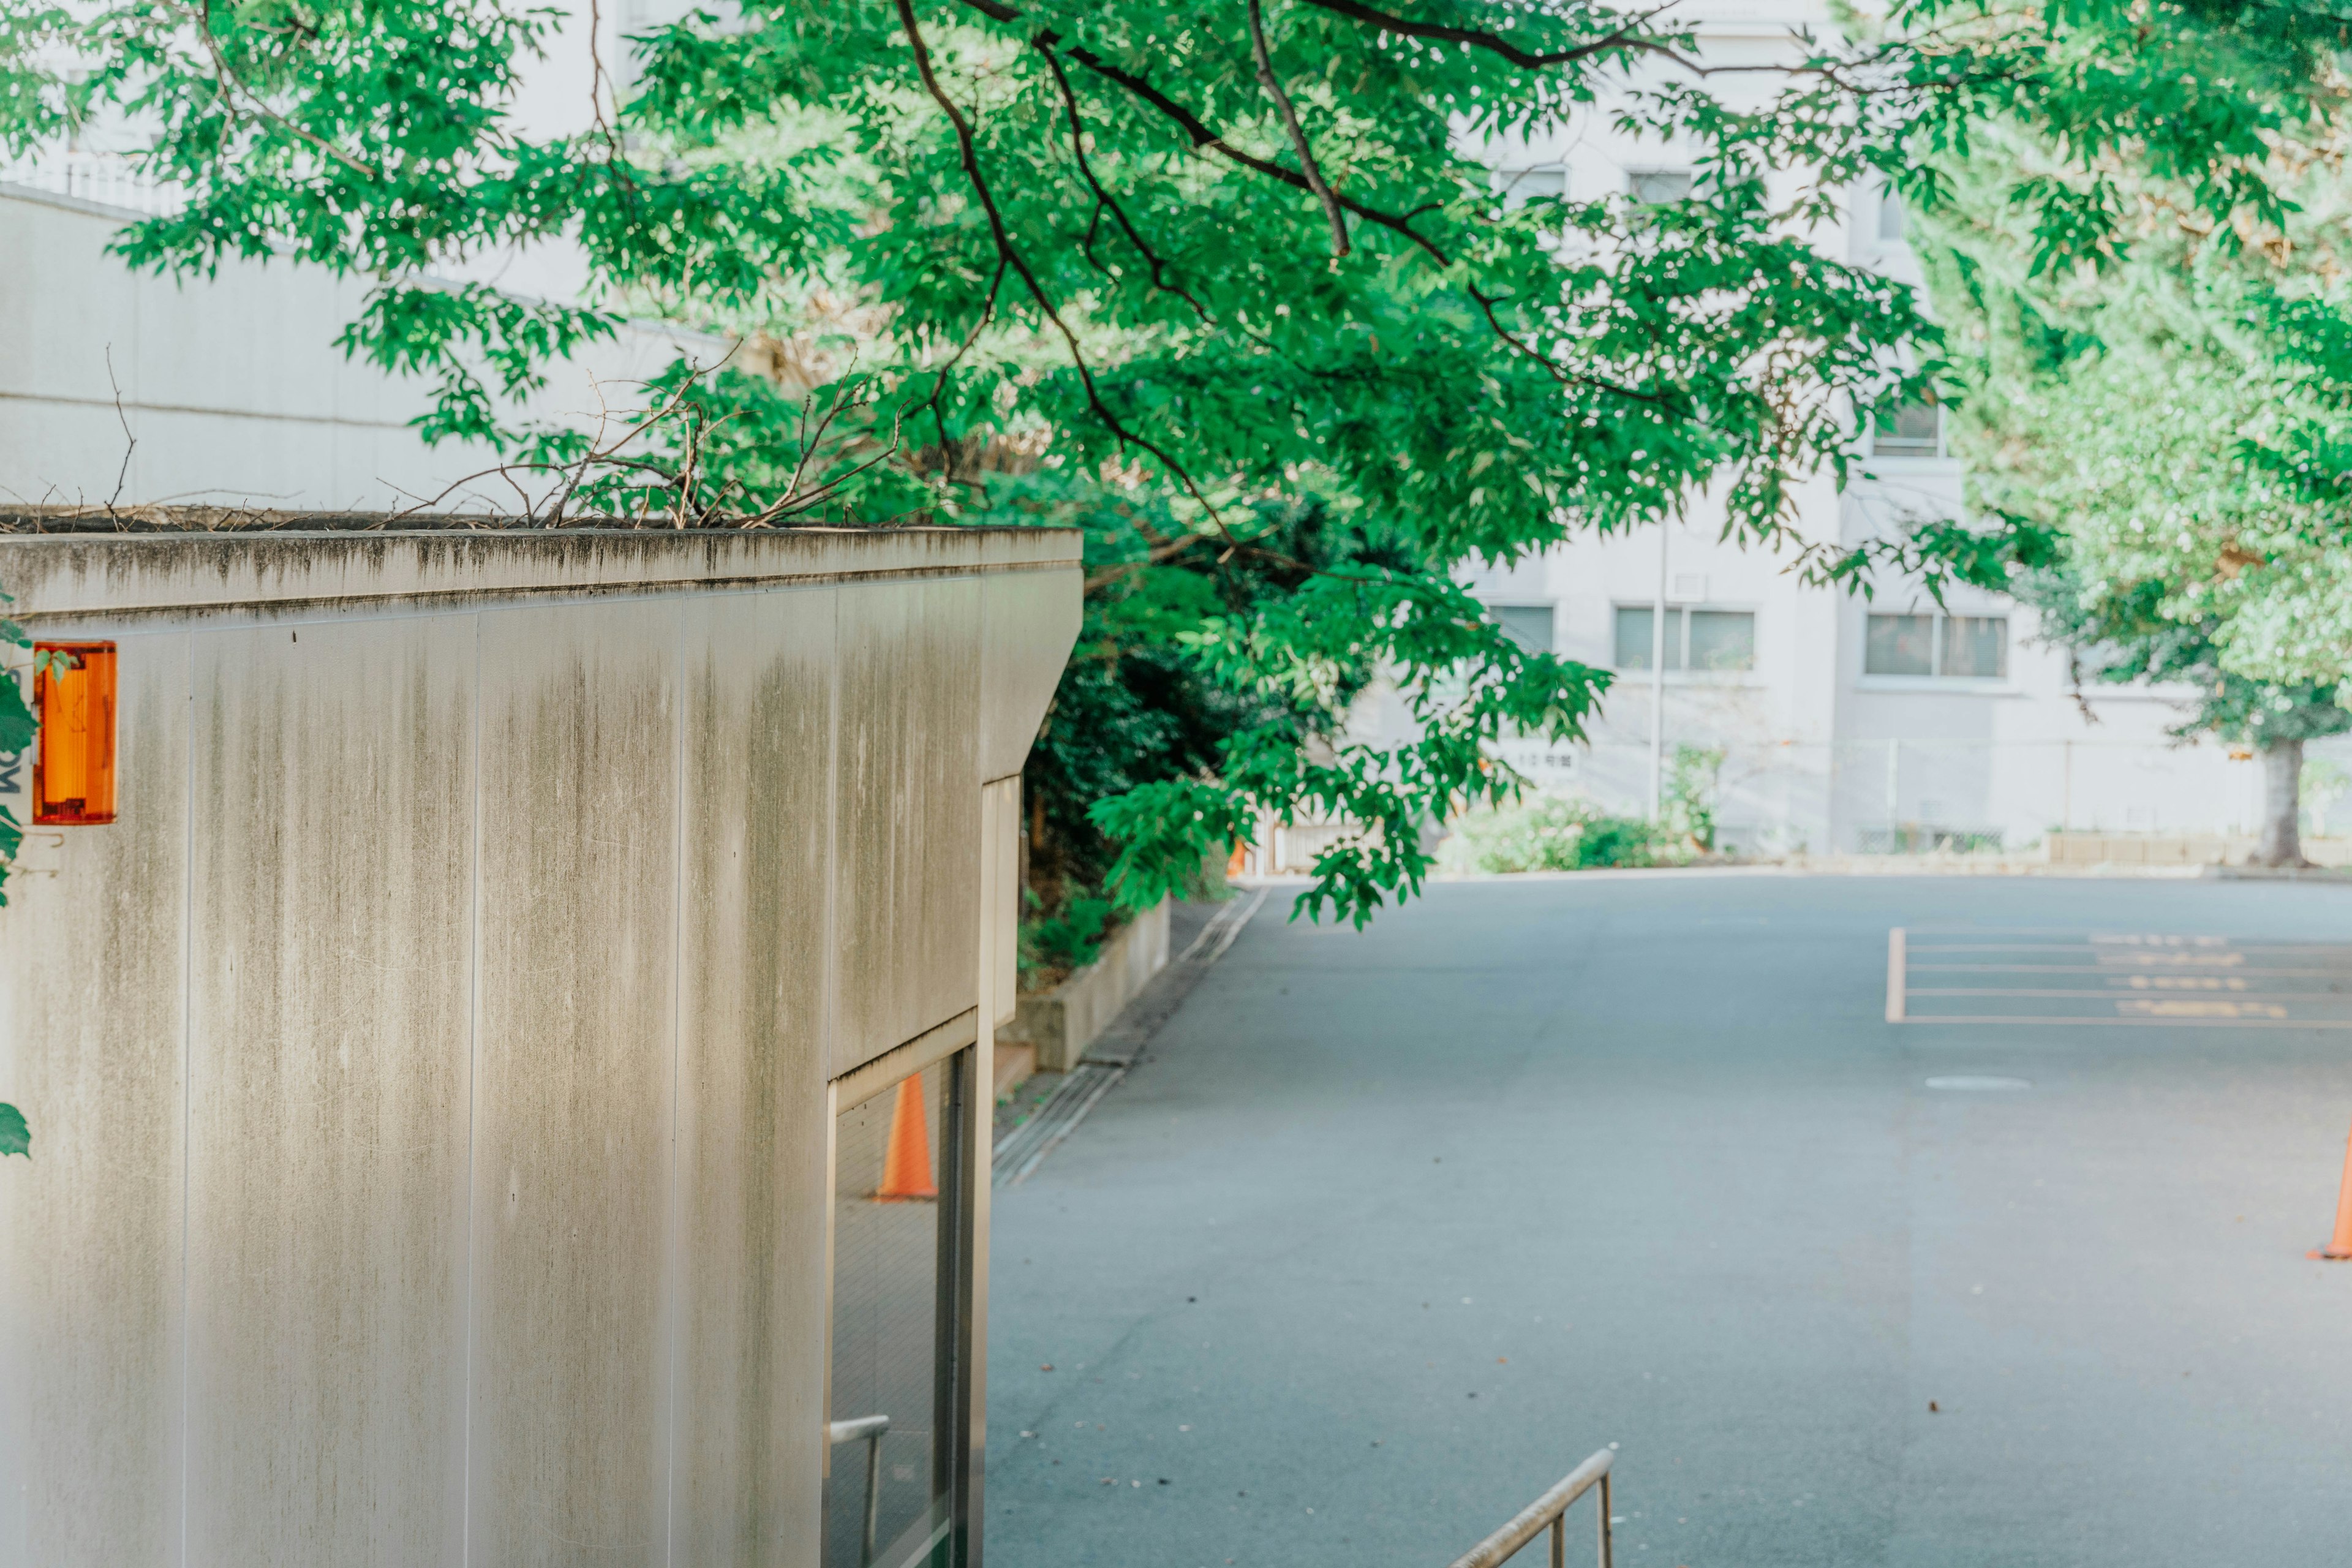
<point>1388,1229</point>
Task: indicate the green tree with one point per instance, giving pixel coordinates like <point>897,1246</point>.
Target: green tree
<point>1207,264</point>
<point>2159,426</point>
<point>2123,632</point>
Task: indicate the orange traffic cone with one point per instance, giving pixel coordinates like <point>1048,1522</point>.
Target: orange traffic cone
<point>2340,1249</point>
<point>907,1163</point>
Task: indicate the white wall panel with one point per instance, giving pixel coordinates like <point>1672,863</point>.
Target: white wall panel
<point>749,1246</point>
<point>428,1069</point>
<point>573,1069</point>
<point>329,1039</point>
<point>1000,899</point>
<point>907,867</point>
<point>91,1049</point>
<point>1029,620</point>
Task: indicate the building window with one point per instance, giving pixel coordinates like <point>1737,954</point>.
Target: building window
<point>1633,639</point>
<point>1913,428</point>
<point>1899,645</point>
<point>1520,186</point>
<point>1890,216</point>
<point>1976,647</point>
<point>1696,639</point>
<point>1529,626</point>
<point>1659,187</point>
<point>1722,639</point>
<point>1955,647</point>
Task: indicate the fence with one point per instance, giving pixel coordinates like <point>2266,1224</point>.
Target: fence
<point>1908,795</point>
<point>2074,801</point>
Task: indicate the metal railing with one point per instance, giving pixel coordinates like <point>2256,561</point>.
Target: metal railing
<point>870,1430</point>
<point>1550,1509</point>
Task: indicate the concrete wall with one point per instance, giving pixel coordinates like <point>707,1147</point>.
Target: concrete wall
<point>1062,1023</point>
<point>428,1069</point>
<point>229,390</point>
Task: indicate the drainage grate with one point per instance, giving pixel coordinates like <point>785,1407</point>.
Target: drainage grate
<point>1028,1144</point>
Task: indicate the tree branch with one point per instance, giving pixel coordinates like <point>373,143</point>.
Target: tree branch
<point>1104,200</point>
<point>232,84</point>
<point>1201,136</point>
<point>1626,37</point>
<point>968,151</point>
<point>1298,143</point>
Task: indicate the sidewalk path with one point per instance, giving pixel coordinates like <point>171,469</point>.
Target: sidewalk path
<point>1388,1230</point>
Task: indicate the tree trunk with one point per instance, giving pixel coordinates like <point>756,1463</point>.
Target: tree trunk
<point>2281,843</point>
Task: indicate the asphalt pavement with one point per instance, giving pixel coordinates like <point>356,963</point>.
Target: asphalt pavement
<point>1388,1229</point>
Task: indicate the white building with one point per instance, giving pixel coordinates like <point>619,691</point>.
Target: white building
<point>120,387</point>
<point>1846,724</point>
<point>124,388</point>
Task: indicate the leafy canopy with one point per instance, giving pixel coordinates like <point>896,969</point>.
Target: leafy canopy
<point>1205,265</point>
<point>2161,437</point>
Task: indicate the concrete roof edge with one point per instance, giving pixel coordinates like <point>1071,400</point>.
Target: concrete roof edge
<point>102,576</point>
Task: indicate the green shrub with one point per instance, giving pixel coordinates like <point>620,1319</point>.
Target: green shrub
<point>1691,784</point>
<point>1055,945</point>
<point>1557,832</point>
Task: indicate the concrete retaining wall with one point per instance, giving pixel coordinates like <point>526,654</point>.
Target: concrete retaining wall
<point>2177,849</point>
<point>1062,1023</point>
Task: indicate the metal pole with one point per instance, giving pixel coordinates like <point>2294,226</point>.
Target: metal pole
<point>1894,795</point>
<point>1658,684</point>
<point>872,1497</point>
<point>1559,1540</point>
<point>1607,1557</point>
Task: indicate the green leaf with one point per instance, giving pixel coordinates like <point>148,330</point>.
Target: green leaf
<point>15,1138</point>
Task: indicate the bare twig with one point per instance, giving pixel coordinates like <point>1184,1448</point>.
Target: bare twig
<point>597,80</point>
<point>130,441</point>
<point>940,381</point>
<point>1298,143</point>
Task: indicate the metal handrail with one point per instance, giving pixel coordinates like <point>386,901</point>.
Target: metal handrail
<point>1551,1508</point>
<point>870,1429</point>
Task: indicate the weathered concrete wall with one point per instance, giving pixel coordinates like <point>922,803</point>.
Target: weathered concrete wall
<point>429,1069</point>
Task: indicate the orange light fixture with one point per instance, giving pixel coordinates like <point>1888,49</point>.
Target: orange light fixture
<point>73,774</point>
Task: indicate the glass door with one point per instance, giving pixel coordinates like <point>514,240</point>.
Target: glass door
<point>899,1285</point>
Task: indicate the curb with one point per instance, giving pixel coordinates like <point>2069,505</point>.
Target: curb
<point>1106,1060</point>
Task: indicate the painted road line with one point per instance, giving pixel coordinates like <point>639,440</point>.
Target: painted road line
<point>2108,969</point>
<point>2022,1018</point>
<point>2339,997</point>
<point>1896,976</point>
<point>2116,947</point>
<point>2202,966</point>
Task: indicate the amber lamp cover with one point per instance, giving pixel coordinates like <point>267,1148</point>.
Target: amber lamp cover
<point>73,773</point>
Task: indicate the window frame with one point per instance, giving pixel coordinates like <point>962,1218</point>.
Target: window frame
<point>959,1306</point>
<point>1634,178</point>
<point>1678,654</point>
<point>1550,607</point>
<point>1942,450</point>
<point>1937,675</point>
<point>1508,183</point>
